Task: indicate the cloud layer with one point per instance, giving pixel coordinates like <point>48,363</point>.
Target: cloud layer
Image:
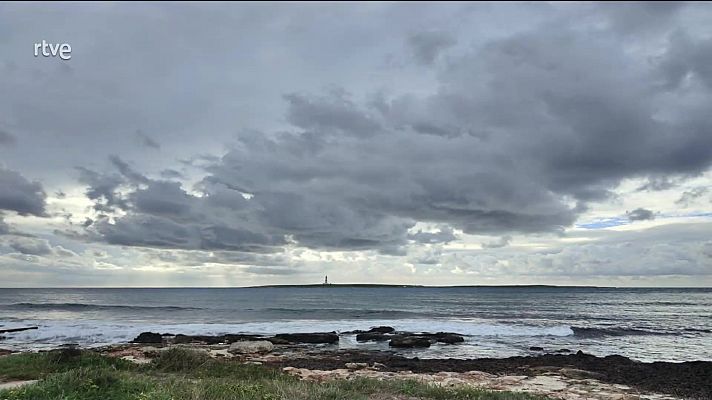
<point>285,140</point>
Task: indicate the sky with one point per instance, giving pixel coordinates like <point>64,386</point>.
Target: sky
<point>206,144</point>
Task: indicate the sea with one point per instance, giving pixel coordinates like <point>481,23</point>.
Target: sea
<point>646,324</point>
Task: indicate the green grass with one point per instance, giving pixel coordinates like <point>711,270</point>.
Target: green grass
<point>180,374</point>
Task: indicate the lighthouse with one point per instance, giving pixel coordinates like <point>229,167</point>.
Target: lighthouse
<point>326,280</point>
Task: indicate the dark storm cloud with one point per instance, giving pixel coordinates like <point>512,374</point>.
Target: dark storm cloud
<point>520,135</point>
<point>427,46</point>
<point>640,214</point>
<point>7,139</point>
<point>517,130</point>
<point>21,195</point>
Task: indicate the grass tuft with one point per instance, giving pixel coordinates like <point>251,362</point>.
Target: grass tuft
<point>185,374</point>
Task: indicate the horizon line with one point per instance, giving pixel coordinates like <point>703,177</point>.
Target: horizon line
<point>394,285</point>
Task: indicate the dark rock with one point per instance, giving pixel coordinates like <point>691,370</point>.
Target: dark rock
<point>4,352</point>
<point>409,342</point>
<point>536,348</point>
<point>372,337</point>
<point>563,351</point>
<point>148,337</point>
<point>18,329</point>
<point>276,341</point>
<point>449,338</point>
<point>316,337</point>
<point>2,338</point>
<point>381,329</point>
<point>232,338</point>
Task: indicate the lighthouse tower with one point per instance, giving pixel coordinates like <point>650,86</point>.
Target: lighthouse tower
<point>326,280</point>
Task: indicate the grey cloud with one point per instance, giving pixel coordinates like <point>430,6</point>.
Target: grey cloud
<point>147,141</point>
<point>30,246</point>
<point>640,214</point>
<point>535,127</point>
<point>272,271</point>
<point>690,196</point>
<point>635,16</point>
<point>171,174</point>
<point>127,171</point>
<point>7,139</point>
<point>20,195</point>
<point>102,189</point>
<point>502,242</point>
<point>334,112</point>
<point>442,235</point>
<point>4,227</point>
<point>517,130</point>
<point>428,45</point>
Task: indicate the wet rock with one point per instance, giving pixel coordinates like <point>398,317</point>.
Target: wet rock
<point>381,329</point>
<point>536,348</point>
<point>449,338</point>
<point>316,337</point>
<point>148,337</point>
<point>251,347</point>
<point>371,337</point>
<point>409,342</point>
<point>275,340</point>
<point>565,351</point>
<point>4,352</point>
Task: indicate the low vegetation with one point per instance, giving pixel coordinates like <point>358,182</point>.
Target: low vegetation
<point>181,374</point>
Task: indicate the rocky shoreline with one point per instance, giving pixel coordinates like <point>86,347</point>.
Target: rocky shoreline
<point>300,352</point>
<point>559,373</point>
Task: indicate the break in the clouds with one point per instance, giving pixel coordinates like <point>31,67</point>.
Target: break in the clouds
<point>456,143</point>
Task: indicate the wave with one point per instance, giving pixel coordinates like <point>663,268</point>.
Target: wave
<point>104,332</point>
<point>91,307</point>
<point>615,331</point>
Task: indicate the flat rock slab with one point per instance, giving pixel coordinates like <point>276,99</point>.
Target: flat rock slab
<point>15,384</point>
<point>553,386</point>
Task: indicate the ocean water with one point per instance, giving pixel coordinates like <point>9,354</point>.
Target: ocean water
<point>644,324</point>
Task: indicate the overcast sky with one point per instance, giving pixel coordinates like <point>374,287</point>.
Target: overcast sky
<point>440,144</point>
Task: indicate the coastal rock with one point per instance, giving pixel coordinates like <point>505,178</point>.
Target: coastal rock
<point>381,329</point>
<point>536,348</point>
<point>354,366</point>
<point>316,337</point>
<point>148,337</point>
<point>409,342</point>
<point>372,337</point>
<point>448,338</point>
<point>251,347</point>
<point>574,373</point>
<point>276,341</point>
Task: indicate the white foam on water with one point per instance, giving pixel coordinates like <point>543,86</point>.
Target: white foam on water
<point>53,333</point>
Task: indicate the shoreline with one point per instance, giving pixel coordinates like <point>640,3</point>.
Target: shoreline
<point>316,356</point>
